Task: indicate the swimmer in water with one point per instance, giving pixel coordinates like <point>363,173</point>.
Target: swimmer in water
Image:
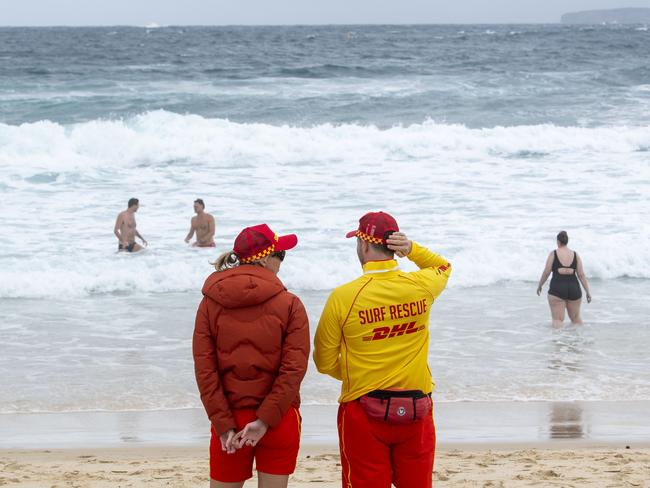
<point>203,225</point>
<point>125,229</point>
<point>564,293</point>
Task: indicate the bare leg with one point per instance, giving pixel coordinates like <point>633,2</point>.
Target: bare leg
<point>137,248</point>
<point>220,484</point>
<point>558,306</point>
<point>265,480</point>
<point>573,307</point>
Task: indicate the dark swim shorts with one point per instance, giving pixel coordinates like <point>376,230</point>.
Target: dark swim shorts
<point>128,248</point>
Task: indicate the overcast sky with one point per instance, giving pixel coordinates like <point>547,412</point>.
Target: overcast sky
<point>246,12</point>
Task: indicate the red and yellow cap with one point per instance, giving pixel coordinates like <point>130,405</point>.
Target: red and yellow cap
<point>258,241</point>
<point>373,226</point>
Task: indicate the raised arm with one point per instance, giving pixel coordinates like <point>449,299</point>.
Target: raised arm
<point>583,279</point>
<point>434,271</point>
<point>420,255</point>
<point>547,271</point>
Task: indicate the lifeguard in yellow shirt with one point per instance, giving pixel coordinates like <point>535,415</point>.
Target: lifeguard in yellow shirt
<point>373,335</point>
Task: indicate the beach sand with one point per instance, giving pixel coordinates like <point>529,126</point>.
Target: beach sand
<point>484,466</point>
<point>480,444</point>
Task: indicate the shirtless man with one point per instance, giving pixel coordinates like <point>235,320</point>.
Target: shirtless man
<point>203,225</point>
<point>125,229</point>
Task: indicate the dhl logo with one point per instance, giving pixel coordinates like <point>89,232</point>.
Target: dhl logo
<point>380,333</point>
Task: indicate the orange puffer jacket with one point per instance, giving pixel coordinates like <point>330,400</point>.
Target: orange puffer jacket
<point>251,346</point>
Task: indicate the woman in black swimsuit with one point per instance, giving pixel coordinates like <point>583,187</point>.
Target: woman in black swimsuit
<point>564,292</point>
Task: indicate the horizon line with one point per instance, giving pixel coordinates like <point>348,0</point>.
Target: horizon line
<point>155,25</point>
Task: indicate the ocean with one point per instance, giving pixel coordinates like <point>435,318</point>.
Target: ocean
<point>483,141</point>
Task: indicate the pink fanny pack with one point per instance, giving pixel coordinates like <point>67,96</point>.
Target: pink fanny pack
<point>396,406</point>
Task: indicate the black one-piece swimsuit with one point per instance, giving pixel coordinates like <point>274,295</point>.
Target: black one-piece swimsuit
<point>565,286</point>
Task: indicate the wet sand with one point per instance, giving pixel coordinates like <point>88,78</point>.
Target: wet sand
<point>457,423</point>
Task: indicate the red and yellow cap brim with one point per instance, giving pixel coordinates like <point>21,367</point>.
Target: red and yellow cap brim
<point>259,255</point>
<point>282,243</point>
<point>364,236</point>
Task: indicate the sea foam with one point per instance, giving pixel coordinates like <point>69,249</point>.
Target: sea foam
<point>490,200</point>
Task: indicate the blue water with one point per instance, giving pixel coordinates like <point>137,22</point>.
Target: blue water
<point>479,76</point>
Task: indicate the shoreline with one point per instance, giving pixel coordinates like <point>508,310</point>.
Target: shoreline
<point>458,424</point>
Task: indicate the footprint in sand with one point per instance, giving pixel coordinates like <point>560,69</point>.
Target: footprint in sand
<point>549,473</point>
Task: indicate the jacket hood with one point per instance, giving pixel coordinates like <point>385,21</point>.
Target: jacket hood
<point>243,286</point>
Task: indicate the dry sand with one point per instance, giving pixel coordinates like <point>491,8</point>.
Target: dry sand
<point>318,467</point>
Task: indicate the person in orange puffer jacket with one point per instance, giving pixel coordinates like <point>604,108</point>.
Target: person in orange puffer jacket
<point>251,348</point>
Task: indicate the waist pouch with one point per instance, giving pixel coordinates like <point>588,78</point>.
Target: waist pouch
<point>397,406</point>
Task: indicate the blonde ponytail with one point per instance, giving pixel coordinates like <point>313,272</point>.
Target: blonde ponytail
<point>227,260</point>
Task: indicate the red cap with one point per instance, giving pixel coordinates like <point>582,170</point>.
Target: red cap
<point>258,241</point>
<point>373,226</point>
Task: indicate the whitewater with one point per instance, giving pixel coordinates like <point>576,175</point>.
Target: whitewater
<point>492,199</point>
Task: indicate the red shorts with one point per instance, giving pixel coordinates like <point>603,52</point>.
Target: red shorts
<point>275,453</point>
<point>375,454</point>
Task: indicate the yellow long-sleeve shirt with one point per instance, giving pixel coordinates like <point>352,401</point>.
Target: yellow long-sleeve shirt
<point>374,331</point>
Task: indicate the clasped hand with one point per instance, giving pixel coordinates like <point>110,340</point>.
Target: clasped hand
<point>250,435</point>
